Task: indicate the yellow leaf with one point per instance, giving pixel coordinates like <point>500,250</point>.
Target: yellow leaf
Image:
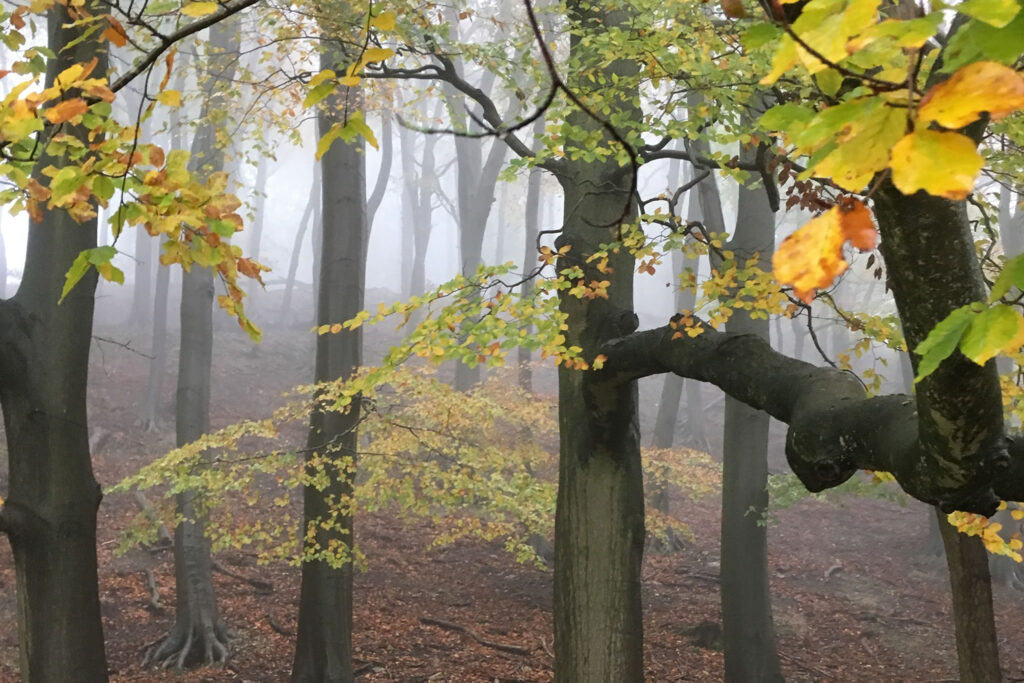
<point>976,88</point>
<point>67,110</point>
<point>324,75</point>
<point>170,98</point>
<point>199,9</point>
<point>863,147</point>
<point>385,21</point>
<point>375,54</point>
<point>784,59</point>
<point>942,164</point>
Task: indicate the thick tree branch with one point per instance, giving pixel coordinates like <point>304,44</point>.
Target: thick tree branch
<point>834,427</point>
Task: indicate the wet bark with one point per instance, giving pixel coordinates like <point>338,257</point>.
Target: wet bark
<point>50,514</point>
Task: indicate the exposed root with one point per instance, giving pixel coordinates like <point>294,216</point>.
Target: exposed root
<point>198,641</point>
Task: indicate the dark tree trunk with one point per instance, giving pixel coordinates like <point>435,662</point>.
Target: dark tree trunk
<point>599,520</point>
<point>310,215</point>
<point>531,226</point>
<point>959,405</point>
<point>323,652</point>
<point>3,267</point>
<point>199,634</point>
<point>50,514</point>
<point>748,633</point>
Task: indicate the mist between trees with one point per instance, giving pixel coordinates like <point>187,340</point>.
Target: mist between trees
<point>578,298</point>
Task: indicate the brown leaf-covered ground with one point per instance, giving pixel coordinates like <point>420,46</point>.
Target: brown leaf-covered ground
<point>855,596</point>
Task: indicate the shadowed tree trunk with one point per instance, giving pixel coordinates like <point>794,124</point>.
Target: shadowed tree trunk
<point>3,267</point>
<point>323,651</point>
<point>199,635</point>
<point>50,514</point>
<point>599,520</point>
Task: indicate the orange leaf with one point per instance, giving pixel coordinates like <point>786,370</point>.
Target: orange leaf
<point>67,110</point>
<point>115,33</point>
<point>169,63</point>
<point>856,224</point>
<point>812,257</point>
<point>976,88</point>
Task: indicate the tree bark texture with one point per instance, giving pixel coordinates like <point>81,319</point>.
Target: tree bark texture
<point>599,520</point>
<point>50,514</point>
<point>323,652</point>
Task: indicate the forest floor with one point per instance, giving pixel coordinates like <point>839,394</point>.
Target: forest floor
<point>855,596</point>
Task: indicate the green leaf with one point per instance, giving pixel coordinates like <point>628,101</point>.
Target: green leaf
<point>829,81</point>
<point>319,92</point>
<point>78,268</point>
<point>978,41</point>
<point>996,13</point>
<point>941,341</point>
<point>991,331</point>
<point>760,34</point>
<point>1012,275</point>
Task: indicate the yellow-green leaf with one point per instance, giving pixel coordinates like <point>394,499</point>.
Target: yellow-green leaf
<point>170,98</point>
<point>199,9</point>
<point>995,329</point>
<point>942,164</point>
<point>385,21</point>
<point>996,13</point>
<point>979,87</point>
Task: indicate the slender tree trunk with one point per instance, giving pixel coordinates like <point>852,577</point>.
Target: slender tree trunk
<point>380,186</point>
<point>310,215</point>
<point>142,289</point>
<point>531,226</point>
<point>259,209</point>
<point>747,628</point>
<point>158,353</point>
<point>50,514</point>
<point>323,652</point>
<point>199,634</point>
<point>409,200</point>
<point>599,520</point>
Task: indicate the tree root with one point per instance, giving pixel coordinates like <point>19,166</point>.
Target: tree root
<point>449,626</point>
<point>195,640</point>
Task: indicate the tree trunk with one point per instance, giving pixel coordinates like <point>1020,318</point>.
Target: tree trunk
<point>311,214</point>
<point>323,652</point>
<point>142,292</point>
<point>599,520</point>
<point>198,635</point>
<point>50,514</point>
<point>380,186</point>
<point>157,354</point>
<point>976,643</point>
<point>959,405</point>
<point>747,628</point>
<point>531,226</point>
